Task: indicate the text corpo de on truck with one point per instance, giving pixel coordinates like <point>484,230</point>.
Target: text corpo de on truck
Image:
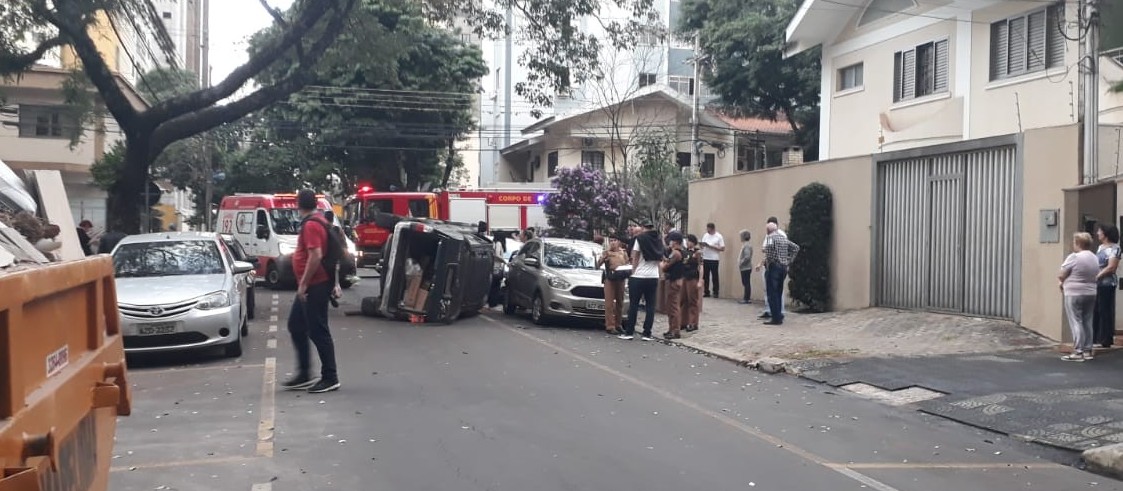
<point>506,210</point>
<point>266,225</point>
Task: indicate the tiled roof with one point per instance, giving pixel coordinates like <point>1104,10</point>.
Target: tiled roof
<point>762,125</point>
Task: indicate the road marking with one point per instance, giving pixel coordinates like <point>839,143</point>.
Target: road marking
<point>272,318</point>
<point>141,371</point>
<point>268,409</point>
<point>263,486</point>
<point>273,328</point>
<point>950,465</point>
<point>760,435</point>
<point>276,302</point>
<point>271,343</point>
<point>276,296</point>
<point>273,309</point>
<point>184,463</point>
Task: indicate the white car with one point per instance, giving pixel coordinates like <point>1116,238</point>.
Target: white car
<point>178,291</point>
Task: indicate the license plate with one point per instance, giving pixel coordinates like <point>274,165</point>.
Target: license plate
<point>153,329</point>
<point>595,305</point>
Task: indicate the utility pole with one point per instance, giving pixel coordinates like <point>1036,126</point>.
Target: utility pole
<point>1091,93</point>
<point>695,148</point>
<point>208,168</point>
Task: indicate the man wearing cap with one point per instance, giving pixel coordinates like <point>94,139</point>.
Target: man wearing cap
<point>612,259</point>
<point>674,270</point>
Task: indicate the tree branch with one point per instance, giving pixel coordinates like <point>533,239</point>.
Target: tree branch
<point>273,11</point>
<point>95,67</point>
<point>305,22</point>
<point>18,63</point>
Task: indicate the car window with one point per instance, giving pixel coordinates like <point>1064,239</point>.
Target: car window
<point>528,250</point>
<point>236,249</point>
<point>286,221</point>
<point>419,208</point>
<point>188,257</point>
<point>570,256</point>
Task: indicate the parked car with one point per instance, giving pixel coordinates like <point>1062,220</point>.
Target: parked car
<point>250,278</point>
<point>556,278</point>
<point>180,290</point>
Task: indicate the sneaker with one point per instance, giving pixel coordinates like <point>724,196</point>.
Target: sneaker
<point>324,386</point>
<point>298,382</point>
<point>647,337</point>
<point>626,337</point>
<point>1077,357</point>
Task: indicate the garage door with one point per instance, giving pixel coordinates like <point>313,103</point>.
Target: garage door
<point>947,233</point>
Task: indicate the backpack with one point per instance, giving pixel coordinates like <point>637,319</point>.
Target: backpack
<point>335,248</point>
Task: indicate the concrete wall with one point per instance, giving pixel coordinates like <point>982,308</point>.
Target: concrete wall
<point>745,201</point>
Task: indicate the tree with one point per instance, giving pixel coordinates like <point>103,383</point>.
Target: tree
<point>585,202</point>
<point>562,56</point>
<point>744,41</point>
<point>812,227</point>
<point>659,186</point>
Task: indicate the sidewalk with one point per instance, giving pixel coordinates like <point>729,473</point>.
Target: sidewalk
<point>981,372</point>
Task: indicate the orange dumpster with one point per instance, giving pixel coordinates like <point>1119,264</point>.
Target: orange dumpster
<point>62,376</point>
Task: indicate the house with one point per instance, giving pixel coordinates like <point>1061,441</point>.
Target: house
<point>952,139</point>
<point>606,137</point>
<point>38,131</point>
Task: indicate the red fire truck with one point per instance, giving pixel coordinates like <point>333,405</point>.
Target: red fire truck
<point>501,209</point>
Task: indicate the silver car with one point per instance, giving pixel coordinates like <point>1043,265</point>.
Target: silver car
<point>556,278</point>
<point>180,290</point>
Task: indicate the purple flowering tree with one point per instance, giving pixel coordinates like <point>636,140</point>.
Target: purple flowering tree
<point>586,201</point>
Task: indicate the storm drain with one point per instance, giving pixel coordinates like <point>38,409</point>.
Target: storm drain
<point>902,397</point>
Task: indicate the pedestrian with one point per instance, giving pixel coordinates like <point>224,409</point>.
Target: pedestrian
<point>109,241</point>
<point>308,319</point>
<point>673,271</point>
<point>1077,280</point>
<point>1107,281</point>
<point>691,284</point>
<point>745,262</point>
<point>614,260</point>
<point>643,285</point>
<point>778,256</point>
<point>767,312</point>
<point>85,227</point>
<point>713,244</point>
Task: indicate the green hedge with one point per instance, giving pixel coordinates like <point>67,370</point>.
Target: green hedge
<point>812,225</point>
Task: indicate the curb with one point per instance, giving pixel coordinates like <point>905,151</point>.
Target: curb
<point>769,365</point>
<point>1107,460</point>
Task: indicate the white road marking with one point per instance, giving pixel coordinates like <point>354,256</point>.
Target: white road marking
<point>272,318</point>
<point>273,328</point>
<point>263,486</point>
<point>271,344</point>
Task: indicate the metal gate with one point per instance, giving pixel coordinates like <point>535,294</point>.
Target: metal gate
<point>947,233</point>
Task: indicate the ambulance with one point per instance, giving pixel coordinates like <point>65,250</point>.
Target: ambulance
<point>266,226</point>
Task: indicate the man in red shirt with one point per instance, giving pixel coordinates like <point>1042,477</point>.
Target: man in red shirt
<point>308,319</point>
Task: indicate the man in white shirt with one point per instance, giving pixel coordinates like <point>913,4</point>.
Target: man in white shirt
<point>767,313</point>
<point>713,244</point>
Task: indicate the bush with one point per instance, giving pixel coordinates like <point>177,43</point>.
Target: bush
<point>812,226</point>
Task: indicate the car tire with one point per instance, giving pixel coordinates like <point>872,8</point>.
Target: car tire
<point>345,283</point>
<point>538,310</point>
<point>251,303</point>
<point>272,276</point>
<point>234,350</point>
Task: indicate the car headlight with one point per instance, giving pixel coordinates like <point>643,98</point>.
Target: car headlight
<point>286,249</point>
<point>216,300</point>
<point>559,283</point>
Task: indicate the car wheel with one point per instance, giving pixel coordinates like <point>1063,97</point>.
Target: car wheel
<point>251,303</point>
<point>345,283</point>
<point>234,350</point>
<point>272,276</point>
<point>538,310</point>
<point>509,306</point>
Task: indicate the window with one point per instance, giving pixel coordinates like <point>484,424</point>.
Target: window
<point>552,164</point>
<point>920,71</point>
<point>167,15</point>
<point>750,154</point>
<point>419,208</point>
<point>179,258</point>
<point>651,36</point>
<point>646,79</point>
<point>683,159</point>
<point>244,222</point>
<point>46,122</point>
<point>376,206</point>
<point>684,85</point>
<point>850,77</point>
<point>707,169</point>
<point>1028,43</point>
<point>594,159</point>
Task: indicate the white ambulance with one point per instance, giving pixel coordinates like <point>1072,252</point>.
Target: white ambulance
<point>266,225</point>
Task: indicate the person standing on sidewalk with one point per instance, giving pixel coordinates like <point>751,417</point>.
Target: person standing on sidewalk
<point>691,284</point>
<point>612,258</point>
<point>778,256</point>
<point>767,312</point>
<point>643,285</point>
<point>308,319</point>
<point>1078,283</point>
<point>1107,280</point>
<point>713,244</point>
<point>674,270</point>
<point>745,262</point>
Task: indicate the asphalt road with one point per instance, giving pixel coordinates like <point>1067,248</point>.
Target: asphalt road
<point>491,403</point>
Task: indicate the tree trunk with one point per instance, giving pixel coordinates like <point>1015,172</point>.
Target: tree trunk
<point>449,163</point>
<point>126,196</point>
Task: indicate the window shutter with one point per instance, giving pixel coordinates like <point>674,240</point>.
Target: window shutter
<point>897,76</point>
<point>1017,61</point>
<point>941,75</point>
<point>1054,20</point>
<point>908,73</point>
<point>1036,41</point>
<point>999,49</point>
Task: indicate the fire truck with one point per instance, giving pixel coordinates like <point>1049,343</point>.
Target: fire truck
<point>501,209</point>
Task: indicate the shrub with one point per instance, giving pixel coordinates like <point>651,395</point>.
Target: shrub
<point>811,227</point>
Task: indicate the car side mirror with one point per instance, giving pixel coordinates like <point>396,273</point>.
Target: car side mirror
<point>532,262</point>
<point>262,231</point>
<point>241,267</point>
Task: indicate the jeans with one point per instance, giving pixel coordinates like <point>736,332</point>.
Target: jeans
<point>767,312</point>
<point>1079,309</point>
<point>747,282</point>
<point>308,321</point>
<point>710,270</point>
<point>645,289</point>
<point>776,275</point>
<point>1103,332</point>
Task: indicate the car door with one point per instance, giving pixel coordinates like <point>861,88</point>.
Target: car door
<point>259,246</point>
<point>525,276</point>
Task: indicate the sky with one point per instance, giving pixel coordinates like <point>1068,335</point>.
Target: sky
<point>232,24</point>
